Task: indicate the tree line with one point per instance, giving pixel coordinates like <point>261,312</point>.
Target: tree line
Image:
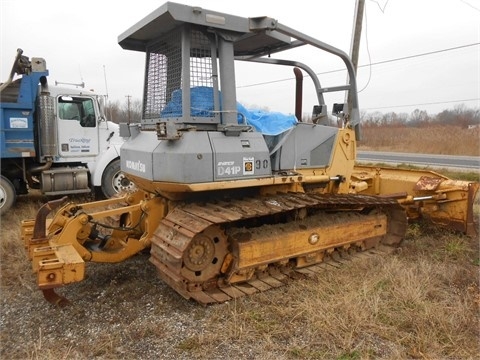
<point>127,111</point>
<point>461,115</point>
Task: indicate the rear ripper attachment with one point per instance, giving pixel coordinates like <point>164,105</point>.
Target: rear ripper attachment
<point>105,231</point>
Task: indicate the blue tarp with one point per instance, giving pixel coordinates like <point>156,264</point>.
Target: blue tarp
<point>266,122</point>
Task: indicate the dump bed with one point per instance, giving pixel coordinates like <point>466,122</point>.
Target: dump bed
<point>17,109</point>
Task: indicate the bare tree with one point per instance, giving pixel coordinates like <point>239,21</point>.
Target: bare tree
<point>128,110</point>
<point>419,117</point>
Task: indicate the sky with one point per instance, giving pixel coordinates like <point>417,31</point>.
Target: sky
<point>414,54</point>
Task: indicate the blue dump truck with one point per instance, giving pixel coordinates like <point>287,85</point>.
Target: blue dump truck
<point>55,139</point>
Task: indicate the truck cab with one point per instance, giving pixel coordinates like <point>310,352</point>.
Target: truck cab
<point>55,139</point>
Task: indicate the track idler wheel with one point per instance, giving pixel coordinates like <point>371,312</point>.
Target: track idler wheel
<point>203,258</point>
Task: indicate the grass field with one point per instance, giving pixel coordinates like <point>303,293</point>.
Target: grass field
<point>444,140</point>
<point>420,302</point>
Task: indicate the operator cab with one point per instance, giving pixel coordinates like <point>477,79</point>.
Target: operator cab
<point>193,130</point>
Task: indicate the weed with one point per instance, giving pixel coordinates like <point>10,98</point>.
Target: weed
<point>189,344</point>
<point>454,248</point>
<point>414,231</point>
<point>354,355</point>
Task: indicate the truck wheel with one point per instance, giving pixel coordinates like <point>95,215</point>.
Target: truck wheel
<point>7,194</point>
<point>114,180</point>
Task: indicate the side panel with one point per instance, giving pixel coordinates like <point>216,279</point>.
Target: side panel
<point>17,111</point>
<point>197,157</point>
<point>306,146</point>
<point>240,157</point>
<point>16,131</point>
<point>187,160</point>
<point>136,154</point>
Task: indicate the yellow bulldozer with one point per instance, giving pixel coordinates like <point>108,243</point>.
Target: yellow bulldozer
<point>232,201</point>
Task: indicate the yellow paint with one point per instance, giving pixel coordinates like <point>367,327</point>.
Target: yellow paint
<point>279,246</point>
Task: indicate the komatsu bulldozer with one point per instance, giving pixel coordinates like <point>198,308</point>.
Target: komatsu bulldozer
<point>231,202</point>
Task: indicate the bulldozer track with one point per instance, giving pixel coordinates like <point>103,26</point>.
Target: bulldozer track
<point>193,243</point>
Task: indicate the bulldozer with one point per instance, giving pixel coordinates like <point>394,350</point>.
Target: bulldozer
<point>231,202</point>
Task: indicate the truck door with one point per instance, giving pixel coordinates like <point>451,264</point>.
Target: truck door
<point>77,126</point>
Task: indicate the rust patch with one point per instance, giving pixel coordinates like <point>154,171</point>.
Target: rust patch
<point>427,183</point>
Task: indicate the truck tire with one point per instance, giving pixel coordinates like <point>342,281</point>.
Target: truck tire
<point>7,194</point>
<point>114,180</point>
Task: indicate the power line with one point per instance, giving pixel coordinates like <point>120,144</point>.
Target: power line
<point>384,6</point>
<point>473,7</point>
<point>429,103</point>
<point>424,54</point>
<point>372,64</point>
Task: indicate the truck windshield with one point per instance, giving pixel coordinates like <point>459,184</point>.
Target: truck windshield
<point>77,108</point>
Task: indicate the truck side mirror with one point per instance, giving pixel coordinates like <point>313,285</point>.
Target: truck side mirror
<point>101,107</point>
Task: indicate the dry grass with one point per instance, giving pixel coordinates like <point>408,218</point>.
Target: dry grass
<point>444,140</point>
<point>420,303</point>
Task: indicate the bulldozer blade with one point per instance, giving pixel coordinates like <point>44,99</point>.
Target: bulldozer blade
<point>470,227</point>
<point>53,298</point>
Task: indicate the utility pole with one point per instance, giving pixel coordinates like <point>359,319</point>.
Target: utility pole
<point>128,107</point>
<point>355,45</point>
